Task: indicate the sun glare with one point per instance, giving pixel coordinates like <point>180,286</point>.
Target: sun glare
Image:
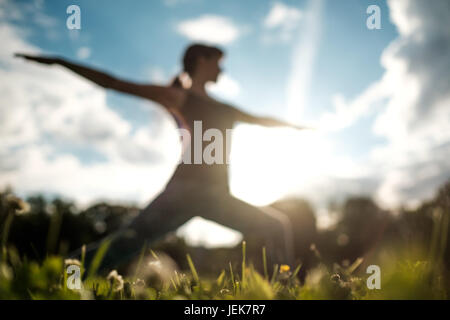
<point>269,163</point>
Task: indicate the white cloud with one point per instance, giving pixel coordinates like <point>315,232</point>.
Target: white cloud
<point>210,28</point>
<point>67,176</point>
<point>157,74</point>
<point>347,113</point>
<point>8,11</point>
<point>410,104</point>
<point>44,20</point>
<point>31,11</point>
<point>225,87</point>
<point>282,15</point>
<point>46,106</point>
<point>416,119</point>
<point>283,20</point>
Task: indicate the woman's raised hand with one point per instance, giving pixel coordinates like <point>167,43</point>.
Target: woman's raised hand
<point>40,59</point>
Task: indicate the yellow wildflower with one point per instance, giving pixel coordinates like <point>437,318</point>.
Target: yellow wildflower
<point>284,268</point>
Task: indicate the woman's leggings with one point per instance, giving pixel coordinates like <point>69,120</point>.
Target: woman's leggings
<point>180,202</point>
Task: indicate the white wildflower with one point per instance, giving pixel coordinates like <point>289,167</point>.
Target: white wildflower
<point>116,280</point>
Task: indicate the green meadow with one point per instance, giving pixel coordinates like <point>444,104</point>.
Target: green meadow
<point>413,264</point>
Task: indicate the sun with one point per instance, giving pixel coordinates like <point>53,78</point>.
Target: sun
<point>267,164</point>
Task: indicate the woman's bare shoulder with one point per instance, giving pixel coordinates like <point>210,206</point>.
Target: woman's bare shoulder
<point>175,97</point>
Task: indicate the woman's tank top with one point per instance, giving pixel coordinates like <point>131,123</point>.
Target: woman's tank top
<point>213,115</point>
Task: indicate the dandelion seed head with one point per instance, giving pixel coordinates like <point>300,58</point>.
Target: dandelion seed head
<point>156,270</point>
<point>116,280</point>
<point>139,283</point>
<point>225,291</point>
<point>18,205</point>
<point>335,277</point>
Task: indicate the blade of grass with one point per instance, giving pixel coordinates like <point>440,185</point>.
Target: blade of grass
<point>243,261</point>
<point>437,213</point>
<point>99,255</point>
<point>83,254</point>
<point>192,267</point>
<point>53,231</point>
<point>154,254</point>
<point>443,237</point>
<point>296,271</point>
<point>266,274</point>
<point>220,278</point>
<point>232,278</point>
<point>31,295</point>
<point>141,258</point>
<point>65,280</point>
<point>275,271</point>
<point>355,265</point>
<point>173,283</point>
<point>177,278</point>
<point>5,232</point>
<point>83,260</point>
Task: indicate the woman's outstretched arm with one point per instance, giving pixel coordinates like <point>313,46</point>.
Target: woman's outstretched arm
<point>166,96</point>
<point>263,121</point>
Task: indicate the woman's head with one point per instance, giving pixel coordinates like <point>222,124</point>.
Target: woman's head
<point>201,61</point>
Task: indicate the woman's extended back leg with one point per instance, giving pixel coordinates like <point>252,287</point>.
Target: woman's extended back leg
<point>270,224</point>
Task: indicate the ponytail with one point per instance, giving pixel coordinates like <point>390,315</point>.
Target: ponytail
<point>182,80</point>
<point>176,82</point>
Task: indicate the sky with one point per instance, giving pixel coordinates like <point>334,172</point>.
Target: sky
<point>378,98</point>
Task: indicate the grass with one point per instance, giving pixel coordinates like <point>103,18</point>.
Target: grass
<point>406,279</point>
<point>406,274</point>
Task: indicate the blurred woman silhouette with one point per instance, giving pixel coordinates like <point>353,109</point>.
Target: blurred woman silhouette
<point>194,189</point>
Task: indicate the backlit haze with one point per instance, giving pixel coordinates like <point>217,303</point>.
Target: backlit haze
<point>378,100</point>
